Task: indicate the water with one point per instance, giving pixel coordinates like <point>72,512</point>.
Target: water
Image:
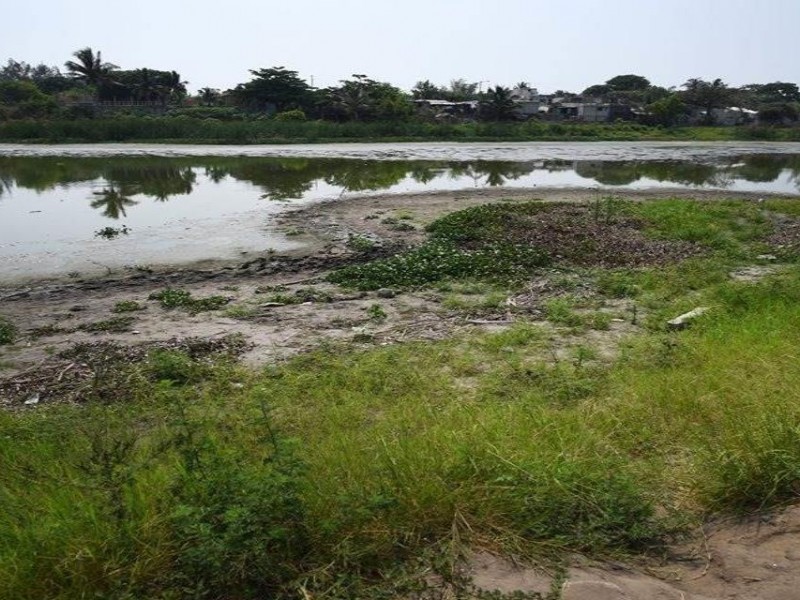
<point>170,205</point>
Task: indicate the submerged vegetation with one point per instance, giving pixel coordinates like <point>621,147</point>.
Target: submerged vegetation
<point>354,473</point>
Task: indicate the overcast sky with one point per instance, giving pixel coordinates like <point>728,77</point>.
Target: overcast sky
<point>553,44</point>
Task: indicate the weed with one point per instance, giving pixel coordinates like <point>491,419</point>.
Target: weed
<point>267,289</point>
<point>175,298</point>
<point>471,303</point>
<point>376,313</point>
<point>241,311</point>
<point>47,331</point>
<point>113,325</point>
<point>300,296</point>
<point>127,306</point>
<point>561,311</point>
<point>240,528</point>
<point>8,331</point>
<point>360,243</point>
<point>402,227</point>
<point>173,366</point>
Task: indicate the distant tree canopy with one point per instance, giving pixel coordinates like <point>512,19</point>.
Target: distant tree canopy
<point>771,93</point>
<point>146,85</point>
<point>668,110</point>
<point>278,88</point>
<point>459,90</point>
<point>43,91</point>
<point>48,79</point>
<point>627,89</point>
<point>707,95</point>
<point>364,99</point>
<point>628,83</point>
<point>498,105</point>
<point>425,90</point>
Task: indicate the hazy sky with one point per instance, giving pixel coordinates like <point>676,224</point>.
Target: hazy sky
<point>550,43</point>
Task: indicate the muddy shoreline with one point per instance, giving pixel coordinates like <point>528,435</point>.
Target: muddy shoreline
<point>52,316</point>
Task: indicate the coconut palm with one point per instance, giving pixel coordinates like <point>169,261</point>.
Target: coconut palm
<point>175,88</point>
<point>208,96</point>
<point>498,105</point>
<point>90,67</point>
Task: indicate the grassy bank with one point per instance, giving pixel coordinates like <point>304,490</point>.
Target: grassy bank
<point>354,473</point>
<point>191,130</point>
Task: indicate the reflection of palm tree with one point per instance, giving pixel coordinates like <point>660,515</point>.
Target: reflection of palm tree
<point>216,173</point>
<point>113,201</point>
<point>425,174</point>
<point>5,184</point>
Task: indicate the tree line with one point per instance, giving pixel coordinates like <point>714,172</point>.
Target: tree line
<point>43,91</point>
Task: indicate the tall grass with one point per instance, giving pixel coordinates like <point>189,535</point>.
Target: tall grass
<point>210,130</point>
<point>326,471</point>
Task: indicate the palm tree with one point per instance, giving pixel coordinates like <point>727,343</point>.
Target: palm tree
<point>498,105</point>
<point>90,67</point>
<point>208,96</point>
<point>146,89</point>
<point>176,89</point>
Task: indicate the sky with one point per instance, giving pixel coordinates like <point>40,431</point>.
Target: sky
<point>552,44</point>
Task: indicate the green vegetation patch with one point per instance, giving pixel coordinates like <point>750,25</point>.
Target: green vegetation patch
<point>175,298</point>
<point>127,306</point>
<point>113,325</point>
<point>507,242</point>
<point>8,331</point>
<point>441,259</point>
<point>199,465</point>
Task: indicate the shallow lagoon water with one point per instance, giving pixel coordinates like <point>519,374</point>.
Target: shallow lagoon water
<point>180,204</point>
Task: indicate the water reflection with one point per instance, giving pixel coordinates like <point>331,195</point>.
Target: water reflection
<point>117,184</point>
<point>113,201</point>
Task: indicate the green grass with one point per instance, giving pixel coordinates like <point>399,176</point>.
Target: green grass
<point>211,130</point>
<point>8,331</point>
<point>533,455</point>
<point>363,470</point>
<point>174,298</point>
<point>113,325</point>
<point>127,306</point>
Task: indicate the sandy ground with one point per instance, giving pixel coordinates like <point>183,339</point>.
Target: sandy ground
<point>757,558</point>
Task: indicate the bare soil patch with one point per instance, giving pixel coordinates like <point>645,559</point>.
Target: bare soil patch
<point>756,557</point>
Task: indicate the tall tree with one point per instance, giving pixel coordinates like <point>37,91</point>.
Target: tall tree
<point>89,67</point>
<point>425,90</point>
<point>461,90</point>
<point>364,99</point>
<point>278,87</point>
<point>628,83</point>
<point>707,95</point>
<point>208,96</point>
<point>498,105</point>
